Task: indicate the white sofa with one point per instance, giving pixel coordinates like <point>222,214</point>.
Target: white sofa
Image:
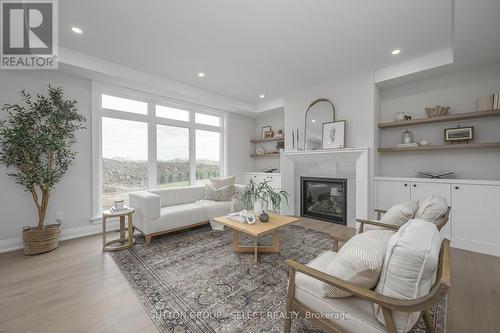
<point>165,210</point>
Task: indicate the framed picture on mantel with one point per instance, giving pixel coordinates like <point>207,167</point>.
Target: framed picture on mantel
<point>333,135</point>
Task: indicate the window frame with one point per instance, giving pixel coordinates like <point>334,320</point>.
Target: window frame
<point>99,88</point>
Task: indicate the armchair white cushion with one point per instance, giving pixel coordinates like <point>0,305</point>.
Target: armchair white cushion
<point>359,261</point>
<point>410,268</point>
<point>432,208</point>
<point>309,291</point>
<point>401,213</point>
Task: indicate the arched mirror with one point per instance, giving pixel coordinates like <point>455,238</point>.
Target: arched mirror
<point>320,111</point>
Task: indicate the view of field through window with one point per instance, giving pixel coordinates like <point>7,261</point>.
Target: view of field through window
<point>125,157</point>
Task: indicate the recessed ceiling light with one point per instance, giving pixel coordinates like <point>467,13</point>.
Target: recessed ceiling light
<point>262,96</point>
<point>201,74</point>
<point>314,120</point>
<point>396,52</point>
<point>77,30</point>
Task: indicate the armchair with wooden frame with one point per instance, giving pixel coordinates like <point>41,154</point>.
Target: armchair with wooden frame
<point>388,304</point>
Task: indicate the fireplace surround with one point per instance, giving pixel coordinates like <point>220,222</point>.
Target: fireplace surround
<point>324,199</point>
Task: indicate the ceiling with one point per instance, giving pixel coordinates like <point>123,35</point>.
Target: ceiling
<point>248,47</point>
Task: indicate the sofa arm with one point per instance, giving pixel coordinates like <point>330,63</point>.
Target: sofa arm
<point>238,188</point>
<point>147,207</point>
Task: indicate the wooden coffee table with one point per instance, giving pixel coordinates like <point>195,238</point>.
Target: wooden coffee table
<point>276,221</point>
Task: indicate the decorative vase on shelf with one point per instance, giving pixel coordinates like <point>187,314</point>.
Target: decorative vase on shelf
<point>407,137</point>
<point>400,116</point>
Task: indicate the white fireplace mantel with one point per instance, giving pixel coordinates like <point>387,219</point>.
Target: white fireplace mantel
<point>355,158</point>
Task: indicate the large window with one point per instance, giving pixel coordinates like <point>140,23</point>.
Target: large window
<point>145,142</point>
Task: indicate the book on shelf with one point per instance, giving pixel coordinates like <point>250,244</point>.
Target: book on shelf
<point>407,145</point>
<point>490,102</point>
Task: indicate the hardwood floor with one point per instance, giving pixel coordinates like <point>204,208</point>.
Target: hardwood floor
<point>77,288</point>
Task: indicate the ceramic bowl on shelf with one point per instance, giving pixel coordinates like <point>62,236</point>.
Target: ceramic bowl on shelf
<point>437,111</point>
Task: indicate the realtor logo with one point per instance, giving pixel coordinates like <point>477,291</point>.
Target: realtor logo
<point>29,34</point>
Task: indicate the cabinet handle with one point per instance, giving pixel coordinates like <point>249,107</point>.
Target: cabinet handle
<point>414,185</point>
<point>406,185</point>
<point>457,188</point>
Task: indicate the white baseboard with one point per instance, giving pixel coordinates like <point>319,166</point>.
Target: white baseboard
<point>13,244</point>
<point>469,245</point>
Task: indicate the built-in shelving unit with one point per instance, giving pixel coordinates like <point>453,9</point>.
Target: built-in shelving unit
<point>440,147</point>
<point>265,155</point>
<point>265,140</point>
<point>441,119</point>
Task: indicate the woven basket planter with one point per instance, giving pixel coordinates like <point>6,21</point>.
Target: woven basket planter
<point>43,240</point>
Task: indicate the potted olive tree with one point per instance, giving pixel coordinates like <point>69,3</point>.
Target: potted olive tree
<point>36,143</point>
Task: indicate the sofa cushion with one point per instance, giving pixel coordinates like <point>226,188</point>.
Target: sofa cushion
<point>401,213</point>
<point>222,182</point>
<point>359,261</point>
<point>177,216</point>
<point>410,267</point>
<point>432,208</point>
<point>224,193</point>
<point>353,314</point>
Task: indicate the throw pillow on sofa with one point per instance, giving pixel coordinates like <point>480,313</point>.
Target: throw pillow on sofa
<point>432,208</point>
<point>410,267</point>
<point>224,193</point>
<point>359,261</point>
<point>217,183</point>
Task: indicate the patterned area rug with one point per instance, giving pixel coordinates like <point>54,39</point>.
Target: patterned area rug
<point>193,282</point>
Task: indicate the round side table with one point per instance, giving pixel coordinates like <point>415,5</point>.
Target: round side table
<point>126,242</point>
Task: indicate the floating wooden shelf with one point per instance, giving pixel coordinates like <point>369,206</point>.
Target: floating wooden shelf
<point>440,147</point>
<point>265,140</point>
<point>441,119</point>
<point>265,155</point>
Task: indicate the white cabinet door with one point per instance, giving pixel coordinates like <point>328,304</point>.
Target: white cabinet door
<point>390,193</point>
<point>422,190</point>
<point>476,217</point>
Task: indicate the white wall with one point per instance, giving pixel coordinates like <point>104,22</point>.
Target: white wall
<point>73,195</point>
<point>240,130</point>
<point>458,90</point>
<point>275,119</point>
<point>353,98</point>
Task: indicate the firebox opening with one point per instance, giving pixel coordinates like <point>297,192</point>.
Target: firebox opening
<point>324,199</point>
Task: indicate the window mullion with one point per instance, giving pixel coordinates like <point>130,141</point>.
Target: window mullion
<point>152,148</point>
<point>192,156</point>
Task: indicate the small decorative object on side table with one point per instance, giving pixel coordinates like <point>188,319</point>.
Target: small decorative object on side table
<point>264,217</point>
<point>126,242</point>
